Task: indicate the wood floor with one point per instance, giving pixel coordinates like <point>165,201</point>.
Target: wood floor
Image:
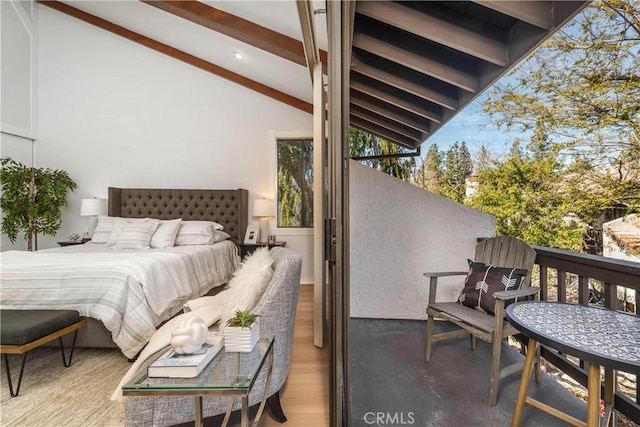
<point>52,395</point>
<point>305,399</point>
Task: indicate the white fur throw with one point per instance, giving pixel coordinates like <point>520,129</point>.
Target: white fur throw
<point>244,291</point>
<point>245,288</point>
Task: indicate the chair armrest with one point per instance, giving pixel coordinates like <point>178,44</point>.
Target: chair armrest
<point>433,281</point>
<point>516,293</point>
<point>445,273</point>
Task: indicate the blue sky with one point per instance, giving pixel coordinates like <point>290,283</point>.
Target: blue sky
<point>472,126</point>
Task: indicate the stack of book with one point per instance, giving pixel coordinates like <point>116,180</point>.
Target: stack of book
<point>175,365</point>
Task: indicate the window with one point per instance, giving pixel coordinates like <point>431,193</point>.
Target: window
<point>295,183</point>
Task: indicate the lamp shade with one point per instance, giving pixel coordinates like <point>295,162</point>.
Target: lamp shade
<point>92,207</point>
<point>264,207</point>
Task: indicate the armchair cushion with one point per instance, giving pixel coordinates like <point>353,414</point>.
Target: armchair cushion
<point>483,280</point>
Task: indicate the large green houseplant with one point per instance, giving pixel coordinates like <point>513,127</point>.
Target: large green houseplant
<point>31,200</point>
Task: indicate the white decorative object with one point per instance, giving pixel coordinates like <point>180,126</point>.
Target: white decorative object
<point>264,209</point>
<point>92,208</point>
<point>241,339</point>
<point>75,238</point>
<point>189,336</point>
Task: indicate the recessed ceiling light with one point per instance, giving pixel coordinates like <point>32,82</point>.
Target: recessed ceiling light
<point>238,55</point>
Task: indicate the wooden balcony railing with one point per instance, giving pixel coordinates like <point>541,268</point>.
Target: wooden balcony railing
<point>589,279</point>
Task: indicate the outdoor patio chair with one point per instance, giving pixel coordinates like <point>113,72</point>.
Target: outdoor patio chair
<point>500,263</point>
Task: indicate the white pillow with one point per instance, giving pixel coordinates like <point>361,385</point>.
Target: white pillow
<point>197,233</point>
<point>103,229</point>
<point>165,234</point>
<point>219,236</point>
<point>136,234</point>
<point>117,228</point>
<point>248,283</point>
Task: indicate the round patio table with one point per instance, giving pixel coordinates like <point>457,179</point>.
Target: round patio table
<point>603,337</point>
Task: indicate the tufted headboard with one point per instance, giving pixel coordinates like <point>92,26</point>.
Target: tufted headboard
<point>227,207</point>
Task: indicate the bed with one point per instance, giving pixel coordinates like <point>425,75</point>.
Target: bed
<point>126,294</point>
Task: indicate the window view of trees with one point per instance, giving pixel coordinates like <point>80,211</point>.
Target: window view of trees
<point>575,106</point>
<point>295,183</point>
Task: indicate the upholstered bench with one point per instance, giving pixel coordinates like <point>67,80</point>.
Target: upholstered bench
<point>24,330</point>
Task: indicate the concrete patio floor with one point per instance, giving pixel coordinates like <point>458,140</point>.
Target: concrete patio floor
<point>392,385</point>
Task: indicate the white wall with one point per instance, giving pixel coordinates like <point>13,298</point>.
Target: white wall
<point>18,88</point>
<point>113,113</point>
<point>399,231</point>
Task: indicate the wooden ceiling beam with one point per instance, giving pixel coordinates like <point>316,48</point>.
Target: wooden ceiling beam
<point>429,66</point>
<point>538,13</point>
<point>401,83</point>
<point>386,122</point>
<point>238,28</point>
<point>388,110</point>
<point>383,133</point>
<point>450,34</point>
<point>377,92</point>
<point>180,55</point>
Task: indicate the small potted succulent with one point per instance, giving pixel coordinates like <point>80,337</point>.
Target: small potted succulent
<point>242,331</point>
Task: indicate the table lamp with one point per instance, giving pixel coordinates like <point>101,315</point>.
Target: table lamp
<point>92,208</point>
<point>265,209</point>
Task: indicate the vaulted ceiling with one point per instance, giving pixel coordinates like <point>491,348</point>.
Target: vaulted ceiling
<point>415,64</point>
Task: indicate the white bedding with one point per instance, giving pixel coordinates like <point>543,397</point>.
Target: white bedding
<point>131,292</point>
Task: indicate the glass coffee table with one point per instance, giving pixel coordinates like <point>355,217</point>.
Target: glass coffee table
<point>227,375</point>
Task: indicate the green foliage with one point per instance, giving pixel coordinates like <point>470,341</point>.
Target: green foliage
<point>243,319</point>
<point>526,196</point>
<point>446,173</point>
<point>363,144</point>
<point>577,97</point>
<point>458,167</point>
<point>295,183</point>
<point>429,174</point>
<point>32,199</point>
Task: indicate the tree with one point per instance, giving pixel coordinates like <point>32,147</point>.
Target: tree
<point>32,200</point>
<point>363,144</point>
<point>429,174</point>
<point>582,86</point>
<point>578,96</point>
<point>525,194</point>
<point>458,167</point>
<point>295,183</point>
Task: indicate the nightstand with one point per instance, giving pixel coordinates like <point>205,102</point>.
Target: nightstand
<point>70,243</point>
<point>248,248</point>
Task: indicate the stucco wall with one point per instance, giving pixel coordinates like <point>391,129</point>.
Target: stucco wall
<point>398,231</point>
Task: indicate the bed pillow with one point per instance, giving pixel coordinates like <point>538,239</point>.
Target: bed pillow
<point>483,280</point>
<point>103,229</point>
<point>196,233</point>
<point>136,234</point>
<point>117,228</point>
<point>165,234</point>
<point>219,236</point>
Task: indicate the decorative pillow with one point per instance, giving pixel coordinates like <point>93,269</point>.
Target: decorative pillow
<point>248,283</point>
<point>136,234</point>
<point>103,229</point>
<point>483,280</point>
<point>165,234</point>
<point>196,233</point>
<point>219,236</point>
<point>117,228</point>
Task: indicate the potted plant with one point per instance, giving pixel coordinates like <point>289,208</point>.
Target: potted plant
<point>242,331</point>
<point>31,200</point>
